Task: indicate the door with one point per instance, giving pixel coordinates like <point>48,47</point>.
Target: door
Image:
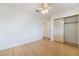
<point>71,30</point>
<point>59,30</point>
<point>47,30</point>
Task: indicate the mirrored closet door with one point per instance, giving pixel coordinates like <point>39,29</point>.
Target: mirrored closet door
<point>71,30</point>
<point>59,30</point>
<point>67,30</point>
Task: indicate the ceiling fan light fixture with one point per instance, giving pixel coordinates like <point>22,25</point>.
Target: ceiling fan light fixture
<point>45,11</point>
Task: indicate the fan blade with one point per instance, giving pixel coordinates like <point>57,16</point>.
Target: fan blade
<point>37,10</point>
<point>49,7</point>
<point>40,9</point>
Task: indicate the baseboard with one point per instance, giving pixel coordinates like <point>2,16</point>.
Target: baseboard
<point>72,44</point>
<point>18,44</point>
<point>59,42</point>
<point>78,45</point>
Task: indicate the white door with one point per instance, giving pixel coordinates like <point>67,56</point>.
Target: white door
<point>47,29</point>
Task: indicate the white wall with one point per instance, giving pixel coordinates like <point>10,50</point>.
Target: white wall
<point>52,28</point>
<point>18,27</point>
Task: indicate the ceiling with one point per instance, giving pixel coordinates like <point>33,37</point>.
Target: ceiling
<point>56,7</point>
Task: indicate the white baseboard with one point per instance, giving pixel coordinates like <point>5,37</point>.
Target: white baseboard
<point>18,44</point>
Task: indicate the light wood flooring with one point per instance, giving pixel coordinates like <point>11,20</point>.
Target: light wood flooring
<point>41,48</point>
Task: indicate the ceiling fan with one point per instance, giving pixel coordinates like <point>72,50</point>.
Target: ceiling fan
<point>44,9</point>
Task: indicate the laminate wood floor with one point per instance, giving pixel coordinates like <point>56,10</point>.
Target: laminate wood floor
<point>41,48</point>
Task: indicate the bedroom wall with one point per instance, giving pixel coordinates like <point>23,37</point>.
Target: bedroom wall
<point>18,27</point>
<point>52,28</point>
